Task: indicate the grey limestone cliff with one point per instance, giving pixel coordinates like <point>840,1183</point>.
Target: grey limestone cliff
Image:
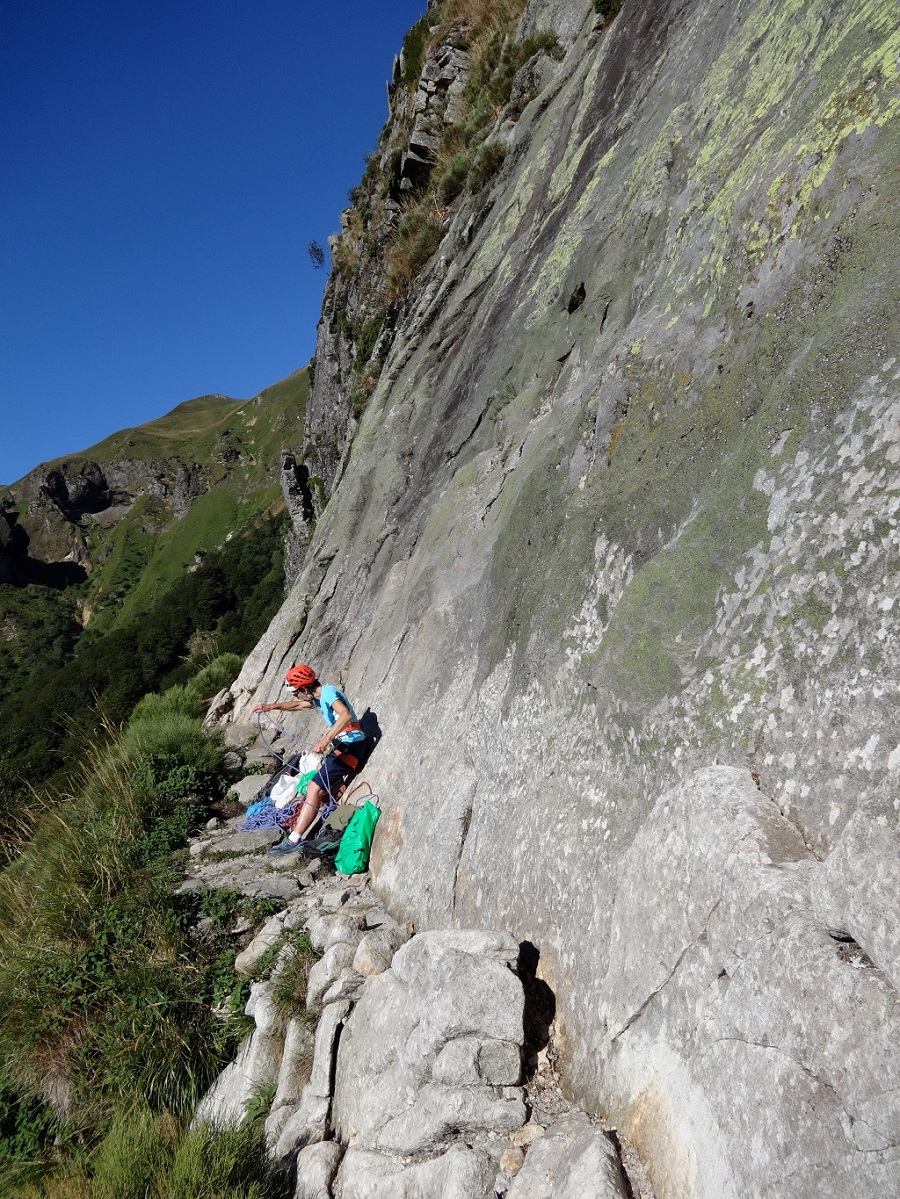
<point>612,555</point>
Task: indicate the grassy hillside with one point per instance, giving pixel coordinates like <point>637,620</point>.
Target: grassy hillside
<point>128,557</point>
<point>118,999</point>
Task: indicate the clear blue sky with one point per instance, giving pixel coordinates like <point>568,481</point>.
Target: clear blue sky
<point>163,168</point>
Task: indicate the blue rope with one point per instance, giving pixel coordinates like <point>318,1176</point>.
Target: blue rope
<point>264,814</point>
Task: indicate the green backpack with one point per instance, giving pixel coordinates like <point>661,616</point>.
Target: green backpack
<point>356,843</point>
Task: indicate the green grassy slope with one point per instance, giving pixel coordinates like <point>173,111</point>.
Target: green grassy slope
<point>134,557</point>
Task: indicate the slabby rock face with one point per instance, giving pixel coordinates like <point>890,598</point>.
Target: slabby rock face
<point>410,1089</point>
<point>430,1055</point>
<point>599,566</point>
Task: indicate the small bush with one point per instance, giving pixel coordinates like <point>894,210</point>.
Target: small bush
<point>222,906</point>
<point>138,1147</point>
<point>214,677</point>
<point>453,179</point>
<point>102,987</point>
<point>231,1164</point>
<point>147,1155</point>
<point>367,340</point>
<point>181,758</point>
<point>413,52</point>
<point>542,39</point>
<point>362,393</point>
<point>607,8</point>
<point>28,1129</point>
<point>488,161</point>
<point>258,1103</point>
<point>484,18</point>
<point>178,700</point>
<point>418,236</point>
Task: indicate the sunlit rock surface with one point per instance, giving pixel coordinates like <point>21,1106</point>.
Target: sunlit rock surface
<point>613,559</point>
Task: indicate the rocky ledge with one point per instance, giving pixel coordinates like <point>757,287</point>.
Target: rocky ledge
<point>423,1064</point>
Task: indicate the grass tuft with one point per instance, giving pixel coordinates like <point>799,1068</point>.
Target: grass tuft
<point>150,1155</point>
<point>488,161</point>
<point>291,980</point>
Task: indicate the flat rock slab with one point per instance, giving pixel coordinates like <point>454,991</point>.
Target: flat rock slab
<point>271,887</point>
<point>460,1173</point>
<point>260,838</point>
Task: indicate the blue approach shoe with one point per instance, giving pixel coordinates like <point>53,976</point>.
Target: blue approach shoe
<point>285,846</point>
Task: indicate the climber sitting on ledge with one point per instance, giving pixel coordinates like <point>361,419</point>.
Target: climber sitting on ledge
<point>346,745</point>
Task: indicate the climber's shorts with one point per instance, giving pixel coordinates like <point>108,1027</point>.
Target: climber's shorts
<point>337,767</point>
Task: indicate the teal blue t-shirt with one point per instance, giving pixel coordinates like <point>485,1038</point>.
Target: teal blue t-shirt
<point>325,703</point>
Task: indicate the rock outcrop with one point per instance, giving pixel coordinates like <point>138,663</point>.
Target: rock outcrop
<point>414,1086</point>
<point>612,556</point>
<point>7,546</point>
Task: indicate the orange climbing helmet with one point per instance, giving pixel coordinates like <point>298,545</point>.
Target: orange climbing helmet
<point>301,676</point>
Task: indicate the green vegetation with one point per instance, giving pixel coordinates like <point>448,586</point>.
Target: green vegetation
<point>413,52</point>
<point>258,1105</point>
<point>419,234</point>
<point>487,163</point>
<point>38,632</point>
<point>136,563</point>
<point>489,86</point>
<point>106,988</point>
<point>222,608</point>
<point>368,339</point>
<point>452,180</point>
<point>196,430</point>
<point>289,991</point>
<point>109,980</point>
<point>146,1153</point>
<point>463,163</point>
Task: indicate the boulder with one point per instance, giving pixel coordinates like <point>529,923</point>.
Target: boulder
<point>247,790</point>
<point>257,1064</point>
<point>326,972</point>
<point>315,1169</point>
<point>335,928</point>
<point>270,934</point>
<point>573,1160</point>
<point>443,987</point>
